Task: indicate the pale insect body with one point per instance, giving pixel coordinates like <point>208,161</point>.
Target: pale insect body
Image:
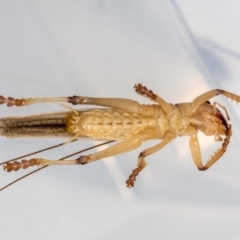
<point>126,121</point>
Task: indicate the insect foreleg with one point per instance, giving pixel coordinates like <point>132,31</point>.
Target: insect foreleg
<point>220,151</point>
<point>208,95</point>
<point>194,147</point>
<point>168,137</point>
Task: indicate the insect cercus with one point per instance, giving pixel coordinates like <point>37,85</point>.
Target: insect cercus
<point>123,120</point>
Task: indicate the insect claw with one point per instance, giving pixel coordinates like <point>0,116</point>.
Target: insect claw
<point>129,183</point>
<point>6,168</point>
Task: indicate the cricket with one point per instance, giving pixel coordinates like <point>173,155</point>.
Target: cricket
<point>125,121</point>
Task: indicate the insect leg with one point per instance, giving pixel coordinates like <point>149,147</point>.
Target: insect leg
<point>120,103</point>
<point>27,101</point>
<point>126,145</point>
<point>169,136</point>
<point>195,149</point>
<point>208,95</point>
<point>167,107</point>
<point>34,171</point>
<point>220,151</point>
<point>117,103</point>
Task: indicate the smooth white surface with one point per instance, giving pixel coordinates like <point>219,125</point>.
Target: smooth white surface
<point>179,49</point>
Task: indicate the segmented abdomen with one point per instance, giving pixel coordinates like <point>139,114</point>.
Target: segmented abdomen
<point>108,124</point>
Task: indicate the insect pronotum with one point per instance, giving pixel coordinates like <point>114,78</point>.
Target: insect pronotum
<point>125,121</point>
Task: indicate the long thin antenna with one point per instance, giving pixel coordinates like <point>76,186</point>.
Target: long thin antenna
<point>73,154</point>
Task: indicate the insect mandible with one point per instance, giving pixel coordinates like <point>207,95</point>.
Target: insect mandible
<point>125,121</point>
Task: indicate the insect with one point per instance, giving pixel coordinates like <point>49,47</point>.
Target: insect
<point>125,121</point>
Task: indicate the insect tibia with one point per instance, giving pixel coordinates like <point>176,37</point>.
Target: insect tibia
<point>15,166</point>
<point>12,101</point>
<point>232,96</point>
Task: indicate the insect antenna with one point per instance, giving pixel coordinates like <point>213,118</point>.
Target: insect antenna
<point>45,149</point>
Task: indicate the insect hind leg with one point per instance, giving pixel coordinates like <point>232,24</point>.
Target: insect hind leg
<point>116,103</point>
<point>122,104</point>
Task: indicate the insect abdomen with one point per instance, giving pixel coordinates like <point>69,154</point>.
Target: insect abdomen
<point>108,124</point>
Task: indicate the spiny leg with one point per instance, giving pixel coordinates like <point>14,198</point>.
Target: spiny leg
<point>116,103</point>
<point>10,101</point>
<point>196,154</point>
<point>121,147</point>
<point>142,90</point>
<point>194,147</point>
<point>169,136</point>
<point>126,145</point>
<point>75,100</point>
<point>208,95</point>
<point>220,151</point>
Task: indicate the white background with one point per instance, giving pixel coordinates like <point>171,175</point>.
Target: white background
<point>179,49</point>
